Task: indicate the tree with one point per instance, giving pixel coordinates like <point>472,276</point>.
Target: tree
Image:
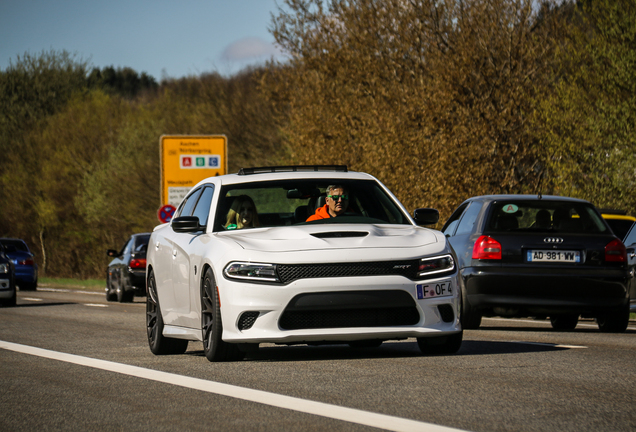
<point>433,97</point>
<point>589,121</point>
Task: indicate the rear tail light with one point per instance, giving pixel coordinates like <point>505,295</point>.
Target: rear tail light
<point>615,251</point>
<point>487,248</point>
<point>28,261</point>
<point>138,263</point>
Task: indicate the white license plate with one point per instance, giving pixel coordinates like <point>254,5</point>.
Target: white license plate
<point>568,256</point>
<point>437,289</point>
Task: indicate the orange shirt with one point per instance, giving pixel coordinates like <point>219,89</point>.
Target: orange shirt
<point>321,213</point>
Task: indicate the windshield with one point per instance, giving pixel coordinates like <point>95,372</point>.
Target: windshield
<point>544,215</point>
<point>284,203</point>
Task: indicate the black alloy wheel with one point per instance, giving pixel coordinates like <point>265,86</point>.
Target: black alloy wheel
<point>564,322</point>
<point>441,345</point>
<point>214,348</point>
<point>158,343</point>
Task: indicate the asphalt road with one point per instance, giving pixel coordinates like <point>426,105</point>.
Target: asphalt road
<point>71,361</point>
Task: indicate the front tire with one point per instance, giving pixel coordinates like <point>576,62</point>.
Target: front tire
<point>441,345</point>
<point>470,318</point>
<point>214,348</point>
<point>158,343</point>
<point>124,295</point>
<point>111,293</point>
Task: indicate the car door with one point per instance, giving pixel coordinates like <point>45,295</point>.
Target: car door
<point>461,233</point>
<point>185,255</point>
<point>630,244</point>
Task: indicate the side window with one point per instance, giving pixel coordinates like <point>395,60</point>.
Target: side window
<point>449,227</point>
<point>127,247</point>
<point>202,210</point>
<point>631,237</point>
<point>188,205</point>
<point>468,220</point>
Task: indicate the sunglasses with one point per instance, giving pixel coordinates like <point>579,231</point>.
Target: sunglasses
<point>337,197</point>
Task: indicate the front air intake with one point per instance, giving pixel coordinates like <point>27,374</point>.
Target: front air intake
<point>247,320</point>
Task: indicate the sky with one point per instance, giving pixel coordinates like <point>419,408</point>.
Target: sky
<point>163,38</point>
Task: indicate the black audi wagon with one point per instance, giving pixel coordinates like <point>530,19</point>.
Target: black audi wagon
<point>533,256</point>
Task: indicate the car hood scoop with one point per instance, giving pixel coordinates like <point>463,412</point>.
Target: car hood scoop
<point>340,234</point>
<point>306,238</point>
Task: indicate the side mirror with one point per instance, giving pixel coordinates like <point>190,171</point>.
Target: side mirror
<point>186,224</point>
<point>426,216</point>
<point>112,253</point>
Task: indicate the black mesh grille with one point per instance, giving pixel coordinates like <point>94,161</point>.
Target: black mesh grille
<point>247,320</point>
<point>446,312</point>
<point>376,317</point>
<point>350,309</point>
<point>291,272</point>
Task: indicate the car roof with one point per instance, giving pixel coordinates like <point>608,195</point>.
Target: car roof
<point>528,197</point>
<point>231,179</point>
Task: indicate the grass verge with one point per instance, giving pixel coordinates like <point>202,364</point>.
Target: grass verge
<point>78,284</point>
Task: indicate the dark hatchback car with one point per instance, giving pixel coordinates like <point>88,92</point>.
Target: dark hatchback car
<point>126,274</point>
<point>7,280</point>
<point>533,256</point>
<point>26,270</point>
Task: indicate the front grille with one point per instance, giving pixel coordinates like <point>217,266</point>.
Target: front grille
<point>446,312</point>
<point>247,320</point>
<point>291,272</point>
<point>350,309</point>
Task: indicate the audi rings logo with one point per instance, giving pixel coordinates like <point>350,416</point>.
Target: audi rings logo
<point>553,240</point>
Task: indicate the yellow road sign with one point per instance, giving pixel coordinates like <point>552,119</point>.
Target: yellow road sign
<point>188,159</point>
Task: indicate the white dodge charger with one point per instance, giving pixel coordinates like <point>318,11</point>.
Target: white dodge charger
<point>301,254</point>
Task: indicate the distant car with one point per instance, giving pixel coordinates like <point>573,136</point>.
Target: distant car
<point>528,255</point>
<point>7,280</point>
<point>126,274</point>
<point>630,244</point>
<point>618,220</point>
<point>240,264</point>
<point>26,270</point>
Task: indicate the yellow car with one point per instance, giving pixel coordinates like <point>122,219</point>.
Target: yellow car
<point>618,220</point>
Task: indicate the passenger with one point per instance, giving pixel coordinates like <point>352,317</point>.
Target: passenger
<point>242,214</point>
<point>543,219</point>
<point>336,203</point>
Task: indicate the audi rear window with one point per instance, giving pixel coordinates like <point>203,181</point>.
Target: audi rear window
<point>544,216</point>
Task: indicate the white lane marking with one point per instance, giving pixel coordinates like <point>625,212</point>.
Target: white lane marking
<point>336,412</point>
<point>31,299</point>
<point>549,344</point>
<point>95,305</point>
<point>68,290</point>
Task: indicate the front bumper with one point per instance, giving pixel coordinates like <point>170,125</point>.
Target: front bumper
<point>522,291</point>
<point>7,289</point>
<point>336,310</point>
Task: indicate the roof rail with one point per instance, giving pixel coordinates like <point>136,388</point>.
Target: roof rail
<point>292,168</point>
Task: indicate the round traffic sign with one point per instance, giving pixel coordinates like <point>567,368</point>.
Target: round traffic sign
<point>165,213</point>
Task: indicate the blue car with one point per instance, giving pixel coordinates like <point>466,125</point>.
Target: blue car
<point>7,281</point>
<point>26,270</point>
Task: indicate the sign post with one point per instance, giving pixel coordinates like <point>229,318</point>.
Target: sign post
<point>188,159</point>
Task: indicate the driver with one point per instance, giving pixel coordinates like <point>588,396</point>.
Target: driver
<point>337,201</point>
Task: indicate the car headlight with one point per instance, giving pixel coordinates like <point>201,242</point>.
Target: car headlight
<point>251,271</point>
<point>439,264</point>
<point>4,268</point>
